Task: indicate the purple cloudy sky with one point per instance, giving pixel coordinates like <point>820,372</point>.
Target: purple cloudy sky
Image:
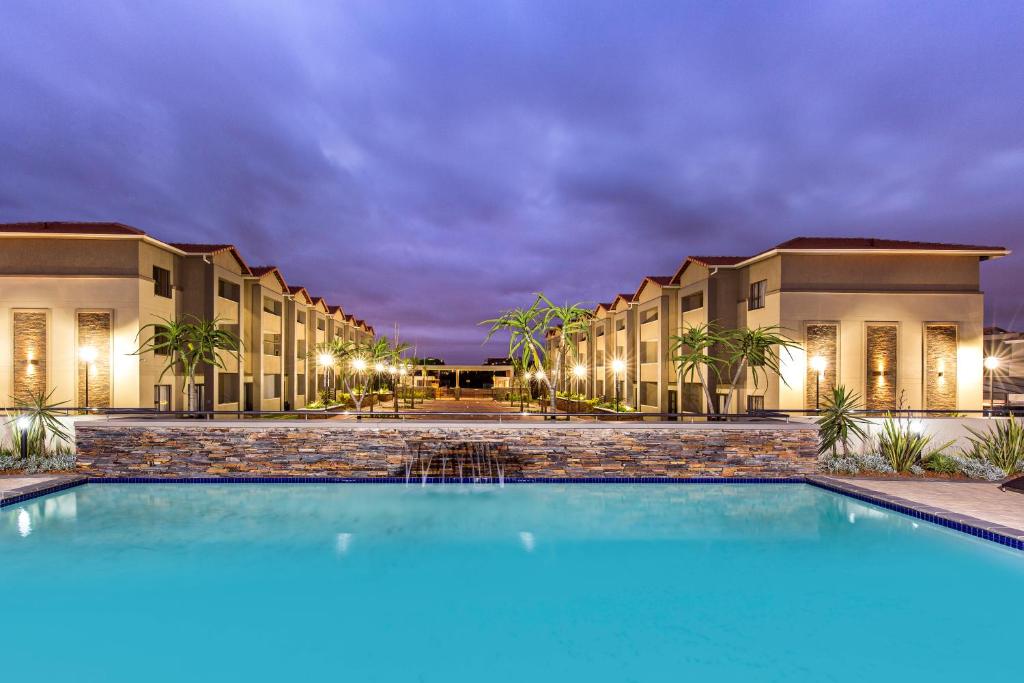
<point>432,163</point>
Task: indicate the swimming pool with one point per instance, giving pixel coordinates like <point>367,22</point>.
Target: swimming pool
<point>544,582</point>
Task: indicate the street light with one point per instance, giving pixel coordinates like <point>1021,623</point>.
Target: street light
<point>23,424</point>
<point>991,364</point>
<point>87,354</point>
<point>326,361</point>
<point>818,364</point>
<point>618,368</point>
<point>579,371</point>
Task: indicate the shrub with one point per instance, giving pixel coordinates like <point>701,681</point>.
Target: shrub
<point>902,447</point>
<point>853,463</point>
<point>1002,445</point>
<point>839,421</point>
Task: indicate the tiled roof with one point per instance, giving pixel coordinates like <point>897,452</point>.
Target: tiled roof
<point>718,260</point>
<point>874,243</point>
<point>70,228</point>
<point>335,309</point>
<point>201,248</point>
<point>260,271</point>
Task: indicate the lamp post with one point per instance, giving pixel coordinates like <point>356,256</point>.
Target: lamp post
<point>87,355</point>
<point>991,364</point>
<point>23,424</point>
<point>326,361</point>
<point>579,372</point>
<point>618,368</point>
<point>818,364</point>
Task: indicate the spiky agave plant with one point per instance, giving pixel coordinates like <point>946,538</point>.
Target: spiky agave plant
<point>1002,445</point>
<point>756,348</point>
<point>840,421</point>
<point>903,447</point>
<point>44,425</point>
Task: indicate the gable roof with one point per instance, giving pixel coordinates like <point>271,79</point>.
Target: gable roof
<point>210,249</point>
<point>300,291</point>
<point>628,298</point>
<point>260,271</point>
<point>660,280</point>
<point>707,262</point>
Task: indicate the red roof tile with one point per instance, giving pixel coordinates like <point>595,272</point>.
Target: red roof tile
<point>70,228</point>
<point>874,243</point>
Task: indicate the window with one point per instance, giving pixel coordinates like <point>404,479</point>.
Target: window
<point>162,397</point>
<point>649,351</point>
<point>599,388</point>
<point>272,306</point>
<point>159,337</point>
<point>300,384</point>
<point>271,386</point>
<point>300,348</point>
<point>162,282</point>
<point>649,316</point>
<point>226,289</point>
<point>649,393</point>
<point>271,344</point>
<point>320,324</point>
<point>755,404</point>
<point>600,332</point>
<point>599,357</point>
<point>691,302</point>
<point>757,292</point>
<point>231,328</point>
<point>620,325</point>
<point>227,387</point>
<point>300,317</point>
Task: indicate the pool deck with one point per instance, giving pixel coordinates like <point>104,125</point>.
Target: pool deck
<point>977,508</point>
<point>19,487</point>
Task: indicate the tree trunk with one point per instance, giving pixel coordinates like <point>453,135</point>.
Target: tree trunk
<point>732,387</point>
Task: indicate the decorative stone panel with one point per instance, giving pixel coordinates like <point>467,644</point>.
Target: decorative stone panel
<point>940,378</point>
<point>821,339</point>
<point>30,344</point>
<point>194,450</point>
<point>94,330</point>
<point>881,346</point>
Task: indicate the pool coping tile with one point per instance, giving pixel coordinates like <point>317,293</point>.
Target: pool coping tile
<point>980,528</point>
<point>41,488</point>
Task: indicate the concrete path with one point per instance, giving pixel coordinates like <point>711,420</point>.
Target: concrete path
<point>980,500</point>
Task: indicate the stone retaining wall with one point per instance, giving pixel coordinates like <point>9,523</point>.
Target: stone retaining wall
<point>190,449</point>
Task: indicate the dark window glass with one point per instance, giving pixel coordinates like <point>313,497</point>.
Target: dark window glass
<point>227,387</point>
<point>755,404</point>
<point>757,291</point>
<point>159,337</point>
<point>162,282</point>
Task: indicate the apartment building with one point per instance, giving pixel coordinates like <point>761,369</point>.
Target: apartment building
<point>900,323</point>
<point>78,299</point>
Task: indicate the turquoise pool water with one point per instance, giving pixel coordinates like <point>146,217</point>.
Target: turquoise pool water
<point>526,583</point>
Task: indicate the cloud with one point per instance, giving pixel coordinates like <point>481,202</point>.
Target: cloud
<point>434,162</point>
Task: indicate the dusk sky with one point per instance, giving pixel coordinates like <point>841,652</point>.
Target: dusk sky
<point>432,163</point>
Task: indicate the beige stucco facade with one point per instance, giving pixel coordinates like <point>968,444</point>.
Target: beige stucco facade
<point>901,324</point>
<point>65,287</point>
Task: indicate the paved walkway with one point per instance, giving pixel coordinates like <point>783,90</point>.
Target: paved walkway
<point>980,500</point>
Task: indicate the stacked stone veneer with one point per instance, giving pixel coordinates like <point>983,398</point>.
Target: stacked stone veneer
<point>192,450</point>
<point>29,353</point>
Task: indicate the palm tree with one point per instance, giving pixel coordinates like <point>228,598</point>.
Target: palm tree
<point>691,354</point>
<point>193,343</point>
<point>572,320</point>
<point>528,326</point>
<point>757,349</point>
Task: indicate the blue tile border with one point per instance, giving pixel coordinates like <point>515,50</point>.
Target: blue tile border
<point>42,489</point>
<point>446,480</point>
<point>997,533</point>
